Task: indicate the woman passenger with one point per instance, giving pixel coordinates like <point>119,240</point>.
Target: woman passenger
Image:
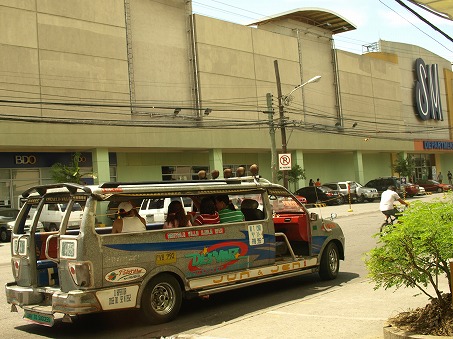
<point>208,213</point>
<point>176,216</point>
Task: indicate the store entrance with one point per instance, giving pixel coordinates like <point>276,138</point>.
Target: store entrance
<point>423,166</point>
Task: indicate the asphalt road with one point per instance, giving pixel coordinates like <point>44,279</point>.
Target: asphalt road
<point>305,306</point>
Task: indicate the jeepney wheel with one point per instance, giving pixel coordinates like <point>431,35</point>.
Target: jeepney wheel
<point>330,262</point>
<point>161,299</point>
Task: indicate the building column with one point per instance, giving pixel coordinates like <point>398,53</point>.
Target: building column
<point>297,158</point>
<point>358,167</point>
<point>216,160</point>
<point>101,165</point>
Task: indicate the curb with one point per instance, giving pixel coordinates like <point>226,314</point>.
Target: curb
<point>391,332</point>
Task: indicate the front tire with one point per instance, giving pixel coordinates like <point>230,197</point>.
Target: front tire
<point>439,190</point>
<point>361,199</point>
<point>330,262</point>
<point>161,299</point>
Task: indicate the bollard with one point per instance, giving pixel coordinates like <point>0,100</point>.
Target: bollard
<point>349,197</point>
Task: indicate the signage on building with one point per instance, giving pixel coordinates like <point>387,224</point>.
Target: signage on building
<point>427,92</point>
<point>441,145</point>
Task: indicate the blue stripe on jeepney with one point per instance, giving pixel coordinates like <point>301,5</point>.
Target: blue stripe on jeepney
<point>317,242</point>
<point>262,251</point>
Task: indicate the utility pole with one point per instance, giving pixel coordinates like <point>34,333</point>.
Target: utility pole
<point>270,115</point>
<point>282,119</point>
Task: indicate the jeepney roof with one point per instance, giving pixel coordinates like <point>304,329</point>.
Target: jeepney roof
<point>235,185</point>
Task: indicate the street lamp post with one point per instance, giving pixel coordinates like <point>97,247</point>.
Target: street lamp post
<point>286,99</point>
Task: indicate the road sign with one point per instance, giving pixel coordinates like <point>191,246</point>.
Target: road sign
<point>284,161</point>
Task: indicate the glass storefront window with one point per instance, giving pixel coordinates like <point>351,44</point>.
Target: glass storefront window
<point>5,174</point>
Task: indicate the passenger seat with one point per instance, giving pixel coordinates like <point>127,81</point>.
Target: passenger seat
<point>249,207</point>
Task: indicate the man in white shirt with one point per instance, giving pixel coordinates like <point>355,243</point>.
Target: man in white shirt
<point>388,198</point>
<point>130,220</point>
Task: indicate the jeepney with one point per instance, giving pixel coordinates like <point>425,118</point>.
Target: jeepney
<point>73,271</point>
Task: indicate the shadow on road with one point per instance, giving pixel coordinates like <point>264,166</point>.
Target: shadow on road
<point>194,313</point>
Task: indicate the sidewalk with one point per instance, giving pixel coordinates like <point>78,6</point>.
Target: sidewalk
<point>366,207</point>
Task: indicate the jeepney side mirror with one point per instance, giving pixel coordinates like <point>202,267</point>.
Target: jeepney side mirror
<point>313,216</point>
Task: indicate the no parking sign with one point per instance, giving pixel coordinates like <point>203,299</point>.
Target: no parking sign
<point>284,161</point>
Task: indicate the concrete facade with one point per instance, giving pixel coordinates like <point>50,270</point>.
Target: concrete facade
<point>156,88</point>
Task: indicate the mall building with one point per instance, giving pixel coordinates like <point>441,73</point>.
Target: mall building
<point>145,90</point>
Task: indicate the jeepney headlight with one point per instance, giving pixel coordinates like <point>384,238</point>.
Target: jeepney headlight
<point>80,273</point>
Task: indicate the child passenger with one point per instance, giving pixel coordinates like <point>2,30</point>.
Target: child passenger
<point>208,213</point>
<point>176,216</point>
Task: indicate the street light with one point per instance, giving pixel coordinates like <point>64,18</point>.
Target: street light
<point>288,98</point>
<point>282,98</point>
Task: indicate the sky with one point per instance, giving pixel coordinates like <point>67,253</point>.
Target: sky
<point>374,19</point>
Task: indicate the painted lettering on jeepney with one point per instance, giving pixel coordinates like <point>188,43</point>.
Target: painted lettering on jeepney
<point>194,233</point>
<point>260,272</point>
<point>225,254</point>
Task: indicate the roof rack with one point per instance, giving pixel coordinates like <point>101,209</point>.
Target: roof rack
<point>233,180</point>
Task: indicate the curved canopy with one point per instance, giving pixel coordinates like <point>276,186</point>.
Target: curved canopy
<point>440,6</point>
<point>317,17</point>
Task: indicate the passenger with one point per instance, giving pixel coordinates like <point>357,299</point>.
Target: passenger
<point>208,213</point>
<point>129,220</point>
<point>176,216</point>
<point>226,213</point>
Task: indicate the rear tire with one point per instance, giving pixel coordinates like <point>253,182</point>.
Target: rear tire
<point>161,299</point>
<point>4,237</point>
<point>330,262</point>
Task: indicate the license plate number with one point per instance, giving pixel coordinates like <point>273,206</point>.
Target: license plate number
<point>39,318</point>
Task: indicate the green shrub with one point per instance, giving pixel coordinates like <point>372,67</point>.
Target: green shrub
<point>416,251</point>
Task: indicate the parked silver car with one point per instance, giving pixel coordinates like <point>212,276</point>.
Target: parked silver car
<point>356,191</point>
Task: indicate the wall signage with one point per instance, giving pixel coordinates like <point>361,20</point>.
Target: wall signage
<point>427,93</point>
<point>441,145</point>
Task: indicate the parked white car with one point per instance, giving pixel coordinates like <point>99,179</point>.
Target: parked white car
<point>356,191</point>
<point>155,210</point>
<point>52,216</point>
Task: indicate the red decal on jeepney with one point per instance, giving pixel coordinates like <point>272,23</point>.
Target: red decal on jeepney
<point>225,253</point>
<point>194,233</point>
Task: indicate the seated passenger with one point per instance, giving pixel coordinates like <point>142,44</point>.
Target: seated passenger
<point>208,213</point>
<point>129,220</point>
<point>226,213</point>
<point>176,216</point>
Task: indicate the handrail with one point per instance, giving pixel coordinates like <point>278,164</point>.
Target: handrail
<point>280,234</point>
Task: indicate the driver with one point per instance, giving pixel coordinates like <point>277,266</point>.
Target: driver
<point>388,198</point>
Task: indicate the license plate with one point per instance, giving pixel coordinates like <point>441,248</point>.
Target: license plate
<point>39,318</point>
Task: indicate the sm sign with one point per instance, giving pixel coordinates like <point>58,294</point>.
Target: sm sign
<point>427,92</point>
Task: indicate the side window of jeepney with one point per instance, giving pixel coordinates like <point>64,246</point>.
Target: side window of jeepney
<point>282,204</point>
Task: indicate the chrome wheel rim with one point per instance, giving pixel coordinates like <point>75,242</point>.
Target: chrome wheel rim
<point>163,298</point>
<point>333,260</point>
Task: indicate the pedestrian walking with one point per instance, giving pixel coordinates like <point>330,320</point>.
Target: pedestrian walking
<point>449,176</point>
<point>440,177</point>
